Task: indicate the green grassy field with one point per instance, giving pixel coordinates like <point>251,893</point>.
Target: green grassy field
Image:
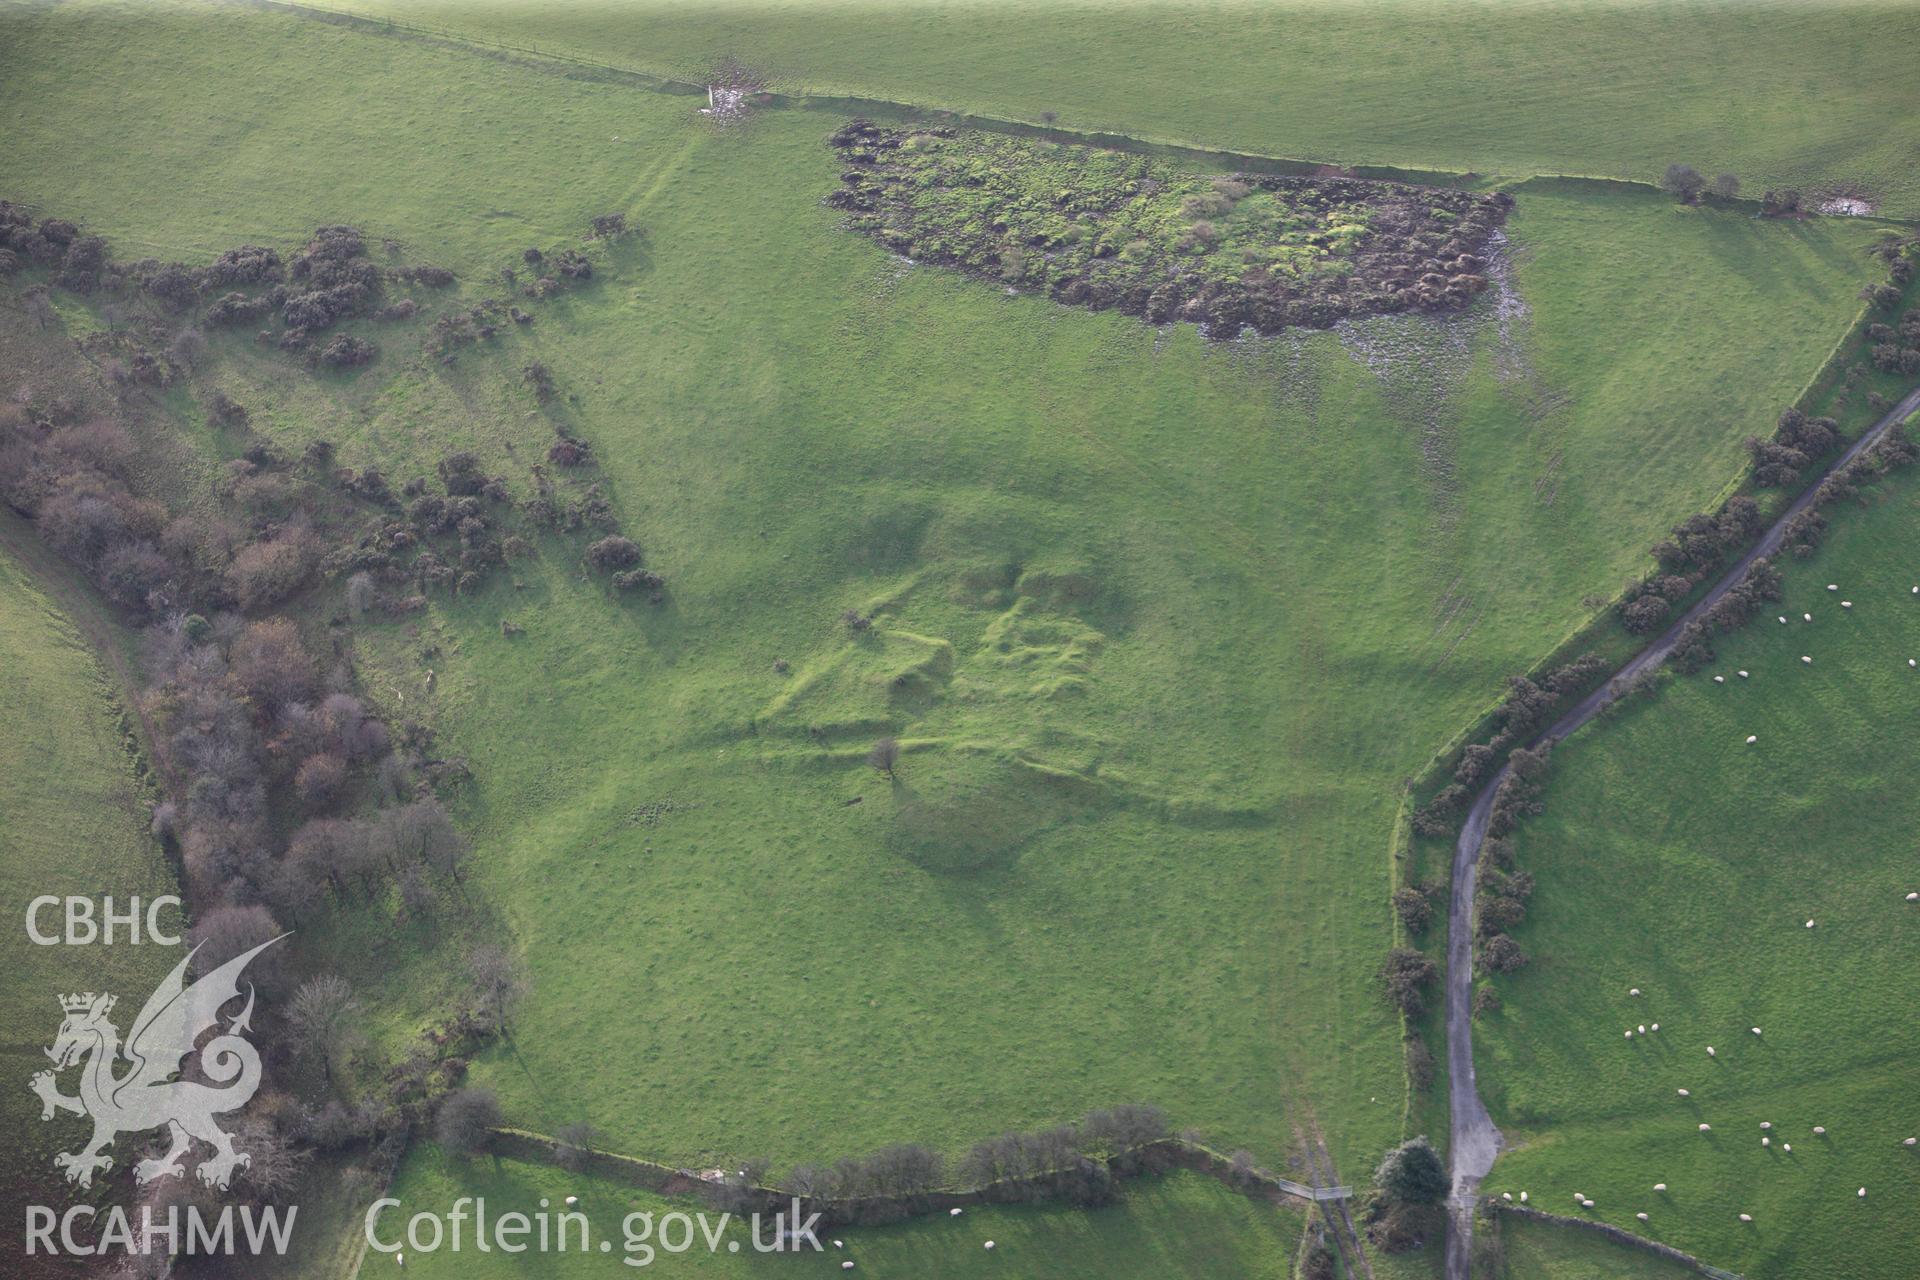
<point>794,425</point>
<point>1542,1251</point>
<point>1163,624</point>
<point>1179,1225</point>
<point>1676,858</point>
<point>72,821</point>
<point>1780,94</point>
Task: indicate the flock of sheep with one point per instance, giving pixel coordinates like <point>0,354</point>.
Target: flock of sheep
<point>1644,1029</point>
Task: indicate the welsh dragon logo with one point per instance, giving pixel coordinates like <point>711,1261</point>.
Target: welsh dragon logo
<point>147,1095</point>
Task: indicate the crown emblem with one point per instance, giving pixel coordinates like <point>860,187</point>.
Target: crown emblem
<point>83,1002</point>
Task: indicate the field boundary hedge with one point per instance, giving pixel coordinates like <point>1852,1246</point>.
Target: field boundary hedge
<point>1618,1236</point>
<point>671,1180</point>
<point>886,109</point>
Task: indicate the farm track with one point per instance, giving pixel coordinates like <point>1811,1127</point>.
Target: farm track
<point>1475,1141</point>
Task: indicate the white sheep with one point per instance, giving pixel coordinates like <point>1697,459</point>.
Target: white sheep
<point>1909,1142</point>
<point>572,1200</point>
<point>1633,991</point>
<point>1846,604</point>
<point>1756,1030</point>
<point>1746,1217</point>
<point>1913,897</point>
<point>1642,1028</point>
<point>1641,1216</point>
<point>1807,616</point>
<point>1507,1196</point>
<point>1833,586</point>
<point>1786,1146</point>
<point>1659,1186</point>
<point>988,1245</point>
<point>1743,675</point>
<point>1711,1053</point>
<point>400,1260</point>
<point>1654,1027</point>
<point>1706,1128</point>
<point>1862,1193</point>
<point>1819,1129</point>
<point>847,1265</point>
<point>1804,658</point>
<point>1752,738</point>
<point>953,1213</point>
<point>1913,663</point>
<point>1809,924</point>
<point>1766,1142</point>
<point>1586,1204</point>
<point>1766,1124</point>
<point>1685,1094</point>
<point>1719,679</point>
<point>1629,1034</point>
<point>1579,1197</point>
<point>1783,617</point>
<point>1523,1197</point>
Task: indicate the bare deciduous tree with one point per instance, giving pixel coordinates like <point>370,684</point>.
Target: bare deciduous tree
<point>325,1019</point>
<point>465,1119</point>
<point>497,979</point>
<point>885,756</point>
